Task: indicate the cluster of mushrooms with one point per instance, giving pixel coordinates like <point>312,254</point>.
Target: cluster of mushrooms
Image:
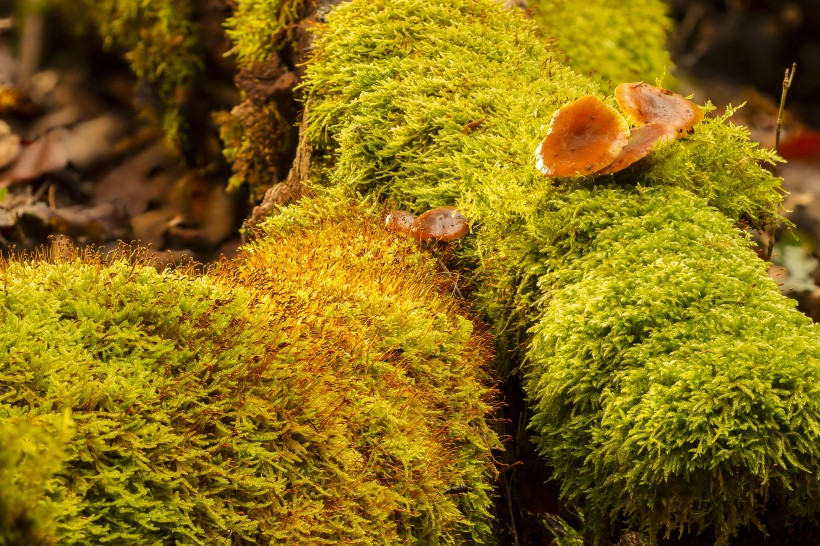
<point>439,224</point>
<point>584,137</point>
<point>589,137</point>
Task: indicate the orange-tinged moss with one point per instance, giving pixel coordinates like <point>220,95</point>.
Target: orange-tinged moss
<point>322,388</point>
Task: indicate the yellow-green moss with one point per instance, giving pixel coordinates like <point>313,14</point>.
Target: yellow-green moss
<point>415,383</point>
<point>32,450</point>
<point>398,122</point>
<point>665,362</point>
<point>628,296</point>
<point>259,134</point>
<point>259,28</point>
<point>160,41</point>
<point>283,399</point>
<point>612,42</point>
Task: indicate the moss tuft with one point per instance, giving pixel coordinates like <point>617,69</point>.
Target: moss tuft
<point>282,399</point>
<point>666,363</point>
<point>454,111</point>
<point>414,379</point>
<point>160,41</point>
<point>720,163</point>
<point>632,296</point>
<point>31,452</point>
<point>612,42</point>
<point>259,28</point>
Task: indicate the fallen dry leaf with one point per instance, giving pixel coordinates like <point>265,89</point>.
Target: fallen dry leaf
<point>94,142</point>
<point>42,156</point>
<point>140,179</point>
<point>91,224</point>
<point>149,227</point>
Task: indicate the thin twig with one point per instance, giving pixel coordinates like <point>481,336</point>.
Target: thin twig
<point>787,82</point>
<point>452,276</point>
<point>771,231</point>
<point>508,493</point>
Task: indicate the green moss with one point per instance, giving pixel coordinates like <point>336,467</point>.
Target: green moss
<point>259,28</point>
<point>259,134</point>
<point>612,42</point>
<point>282,399</point>
<point>665,362</point>
<point>398,124</point>
<point>416,385</point>
<point>31,452</point>
<point>720,163</point>
<point>422,104</point>
<point>160,41</point>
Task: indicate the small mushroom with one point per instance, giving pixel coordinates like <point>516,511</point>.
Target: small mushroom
<point>583,137</point>
<point>399,221</point>
<point>642,140</point>
<point>443,224</point>
<point>644,103</point>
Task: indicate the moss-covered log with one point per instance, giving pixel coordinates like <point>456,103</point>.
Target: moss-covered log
<point>319,391</point>
<point>323,389</point>
<point>673,388</point>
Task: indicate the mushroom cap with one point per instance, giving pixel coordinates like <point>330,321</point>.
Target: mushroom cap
<point>642,140</point>
<point>583,137</point>
<point>644,103</point>
<point>399,221</point>
<point>442,224</point>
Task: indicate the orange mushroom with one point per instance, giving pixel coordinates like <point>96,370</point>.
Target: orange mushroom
<point>583,137</point>
<point>399,221</point>
<point>642,140</point>
<point>442,224</point>
<point>644,103</point>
